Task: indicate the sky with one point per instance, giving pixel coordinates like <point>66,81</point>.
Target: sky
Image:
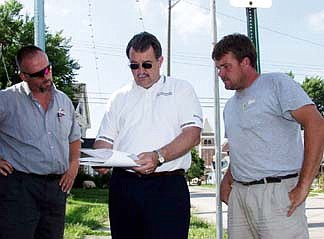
<point>291,38</point>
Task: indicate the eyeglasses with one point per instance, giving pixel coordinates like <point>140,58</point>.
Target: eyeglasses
<point>145,65</point>
<point>41,73</point>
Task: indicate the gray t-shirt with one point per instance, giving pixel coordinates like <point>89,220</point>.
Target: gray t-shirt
<point>264,139</point>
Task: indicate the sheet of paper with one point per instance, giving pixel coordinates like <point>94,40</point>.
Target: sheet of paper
<point>108,158</point>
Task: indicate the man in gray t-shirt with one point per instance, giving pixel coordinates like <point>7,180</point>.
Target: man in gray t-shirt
<point>270,172</point>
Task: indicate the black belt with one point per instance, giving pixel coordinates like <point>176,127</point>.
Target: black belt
<point>268,180</point>
<point>121,171</point>
<point>43,176</point>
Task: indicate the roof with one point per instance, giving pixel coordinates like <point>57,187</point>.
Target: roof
<point>207,128</point>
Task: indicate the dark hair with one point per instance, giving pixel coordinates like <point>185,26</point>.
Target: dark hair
<point>240,45</point>
<point>26,51</point>
<point>142,41</point>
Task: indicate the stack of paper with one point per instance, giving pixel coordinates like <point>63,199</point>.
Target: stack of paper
<point>108,158</point>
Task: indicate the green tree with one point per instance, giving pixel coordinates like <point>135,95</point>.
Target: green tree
<point>314,87</point>
<point>197,166</point>
<point>17,30</point>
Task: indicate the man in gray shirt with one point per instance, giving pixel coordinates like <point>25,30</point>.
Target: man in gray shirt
<point>271,171</point>
<point>39,151</point>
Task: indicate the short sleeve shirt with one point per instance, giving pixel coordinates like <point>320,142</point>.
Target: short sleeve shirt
<point>33,140</point>
<point>264,139</point>
<point>141,120</point>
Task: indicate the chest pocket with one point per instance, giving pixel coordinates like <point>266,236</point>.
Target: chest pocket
<point>64,124</point>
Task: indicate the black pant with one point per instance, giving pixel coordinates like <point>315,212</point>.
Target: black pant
<point>146,207</point>
<point>31,207</point>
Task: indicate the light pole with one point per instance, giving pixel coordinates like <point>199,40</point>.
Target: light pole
<point>252,21</point>
<point>39,24</point>
<point>169,36</point>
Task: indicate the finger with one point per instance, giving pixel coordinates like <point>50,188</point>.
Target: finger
<point>291,210</point>
<point>7,168</point>
<point>3,172</point>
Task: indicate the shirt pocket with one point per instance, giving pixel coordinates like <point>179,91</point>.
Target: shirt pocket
<point>64,126</point>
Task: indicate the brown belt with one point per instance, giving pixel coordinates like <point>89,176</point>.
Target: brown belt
<point>177,172</point>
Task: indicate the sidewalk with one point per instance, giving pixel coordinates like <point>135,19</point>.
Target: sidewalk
<point>204,203</point>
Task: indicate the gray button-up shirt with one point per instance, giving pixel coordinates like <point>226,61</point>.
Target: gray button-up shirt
<point>33,140</point>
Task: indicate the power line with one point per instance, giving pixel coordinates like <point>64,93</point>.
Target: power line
<point>260,26</point>
<point>92,36</point>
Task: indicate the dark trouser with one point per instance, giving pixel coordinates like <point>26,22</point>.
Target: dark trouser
<point>148,207</point>
<point>31,207</point>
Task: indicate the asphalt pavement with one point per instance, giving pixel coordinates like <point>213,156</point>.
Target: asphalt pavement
<point>204,204</point>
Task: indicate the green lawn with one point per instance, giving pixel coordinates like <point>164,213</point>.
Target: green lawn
<point>87,214</point>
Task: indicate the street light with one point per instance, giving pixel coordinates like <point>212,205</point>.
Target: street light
<point>252,20</point>
<point>169,36</point>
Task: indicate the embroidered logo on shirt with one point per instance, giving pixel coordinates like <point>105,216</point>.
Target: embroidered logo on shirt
<point>164,93</point>
<point>250,102</point>
<point>60,113</point>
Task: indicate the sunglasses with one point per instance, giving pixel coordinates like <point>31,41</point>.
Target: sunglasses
<point>40,73</point>
<point>145,65</point>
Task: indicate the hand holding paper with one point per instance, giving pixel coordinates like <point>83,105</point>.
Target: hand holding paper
<point>108,158</point>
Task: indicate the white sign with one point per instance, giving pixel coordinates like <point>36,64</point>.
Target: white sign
<point>251,3</point>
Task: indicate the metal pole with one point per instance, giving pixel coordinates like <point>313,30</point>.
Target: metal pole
<point>39,24</point>
<point>169,40</point>
<point>219,213</point>
<point>169,36</point>
<point>252,30</point>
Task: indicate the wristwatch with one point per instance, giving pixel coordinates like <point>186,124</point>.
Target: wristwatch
<point>161,159</point>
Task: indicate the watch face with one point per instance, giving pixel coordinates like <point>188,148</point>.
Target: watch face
<point>161,159</point>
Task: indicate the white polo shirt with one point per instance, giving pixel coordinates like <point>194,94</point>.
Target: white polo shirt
<point>142,120</point>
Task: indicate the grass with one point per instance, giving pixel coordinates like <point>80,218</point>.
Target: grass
<point>87,214</point>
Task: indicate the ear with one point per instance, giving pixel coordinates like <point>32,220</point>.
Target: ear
<point>160,60</point>
<point>246,61</point>
<point>23,77</point>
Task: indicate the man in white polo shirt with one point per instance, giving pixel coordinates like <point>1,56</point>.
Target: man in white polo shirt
<point>159,119</point>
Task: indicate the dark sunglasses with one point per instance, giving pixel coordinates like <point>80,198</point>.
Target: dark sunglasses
<point>40,73</point>
<point>145,65</point>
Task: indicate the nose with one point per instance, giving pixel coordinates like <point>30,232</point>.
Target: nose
<point>221,72</point>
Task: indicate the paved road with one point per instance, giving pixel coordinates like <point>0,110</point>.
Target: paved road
<point>204,204</point>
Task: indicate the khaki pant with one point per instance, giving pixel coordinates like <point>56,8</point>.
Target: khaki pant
<point>260,212</point>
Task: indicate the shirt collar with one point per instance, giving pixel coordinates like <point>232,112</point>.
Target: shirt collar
<point>155,86</point>
<point>26,89</point>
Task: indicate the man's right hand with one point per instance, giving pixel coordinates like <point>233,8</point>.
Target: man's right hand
<point>226,187</point>
<point>5,167</point>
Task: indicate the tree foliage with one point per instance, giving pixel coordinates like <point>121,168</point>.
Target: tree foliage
<point>17,30</point>
<point>314,87</point>
<point>197,166</point>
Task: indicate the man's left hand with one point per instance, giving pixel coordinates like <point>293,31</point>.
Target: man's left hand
<point>148,162</point>
<point>297,196</point>
<point>68,177</point>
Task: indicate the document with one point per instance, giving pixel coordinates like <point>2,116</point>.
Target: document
<point>107,158</point>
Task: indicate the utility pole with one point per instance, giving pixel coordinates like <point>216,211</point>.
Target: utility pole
<point>169,36</point>
<point>39,24</point>
<point>218,158</point>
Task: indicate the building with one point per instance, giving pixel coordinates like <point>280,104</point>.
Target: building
<point>206,148</point>
<point>81,106</point>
